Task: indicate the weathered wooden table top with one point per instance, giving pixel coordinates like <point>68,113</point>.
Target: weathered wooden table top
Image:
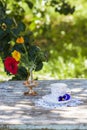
<point>19,112</point>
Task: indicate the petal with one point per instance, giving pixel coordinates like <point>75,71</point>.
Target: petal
<point>11,65</point>
<point>66,97</point>
<point>60,98</point>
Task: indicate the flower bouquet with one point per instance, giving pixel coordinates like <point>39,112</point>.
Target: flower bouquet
<point>18,51</point>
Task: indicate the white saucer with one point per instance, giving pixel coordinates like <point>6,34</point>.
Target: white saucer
<point>51,99</point>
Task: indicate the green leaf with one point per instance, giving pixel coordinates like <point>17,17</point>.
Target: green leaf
<point>39,66</point>
<point>15,32</point>
<point>54,2</point>
<point>2,34</point>
<point>9,22</point>
<point>18,47</point>
<point>30,4</point>
<point>21,26</point>
<point>22,71</point>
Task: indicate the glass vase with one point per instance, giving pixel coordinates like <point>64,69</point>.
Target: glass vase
<point>30,83</point>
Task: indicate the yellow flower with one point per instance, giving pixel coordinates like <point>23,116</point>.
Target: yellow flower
<point>4,26</point>
<point>16,55</point>
<point>20,40</point>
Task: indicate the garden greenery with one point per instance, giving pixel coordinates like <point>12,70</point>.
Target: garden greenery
<point>60,28</point>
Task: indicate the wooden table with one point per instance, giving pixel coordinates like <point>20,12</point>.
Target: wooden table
<point>19,112</point>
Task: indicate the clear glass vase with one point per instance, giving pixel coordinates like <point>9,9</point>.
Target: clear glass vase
<point>30,83</point>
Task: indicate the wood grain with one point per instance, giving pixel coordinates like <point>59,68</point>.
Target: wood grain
<point>19,112</point>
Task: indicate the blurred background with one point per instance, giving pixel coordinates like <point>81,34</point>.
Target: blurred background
<point>60,29</point>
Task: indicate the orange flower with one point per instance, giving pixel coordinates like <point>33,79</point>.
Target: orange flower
<point>16,55</point>
<point>20,40</point>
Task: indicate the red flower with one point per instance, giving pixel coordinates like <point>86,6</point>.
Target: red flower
<point>11,65</point>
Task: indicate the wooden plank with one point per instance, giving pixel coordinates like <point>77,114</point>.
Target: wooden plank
<point>19,112</point>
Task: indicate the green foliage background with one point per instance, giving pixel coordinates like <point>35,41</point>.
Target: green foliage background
<point>63,37</point>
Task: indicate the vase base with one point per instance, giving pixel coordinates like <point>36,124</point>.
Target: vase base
<point>30,93</point>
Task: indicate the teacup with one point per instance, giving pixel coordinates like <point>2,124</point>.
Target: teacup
<point>58,89</point>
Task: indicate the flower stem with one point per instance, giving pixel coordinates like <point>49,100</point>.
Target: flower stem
<point>26,53</point>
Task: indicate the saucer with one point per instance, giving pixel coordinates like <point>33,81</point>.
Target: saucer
<point>51,99</point>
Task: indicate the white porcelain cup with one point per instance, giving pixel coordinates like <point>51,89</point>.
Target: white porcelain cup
<point>58,89</point>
